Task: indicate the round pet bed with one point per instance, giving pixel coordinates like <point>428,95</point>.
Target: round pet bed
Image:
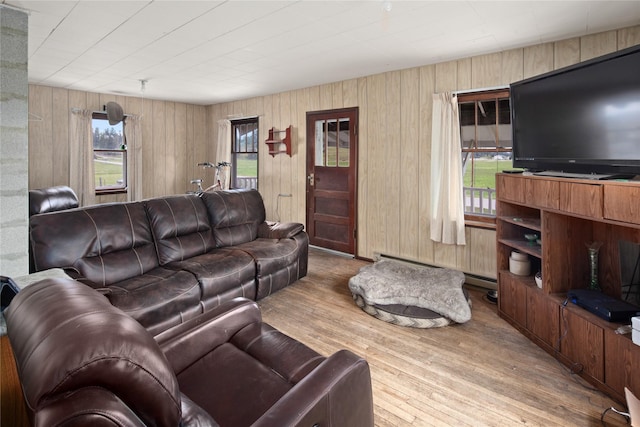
<point>410,294</point>
<point>402,315</point>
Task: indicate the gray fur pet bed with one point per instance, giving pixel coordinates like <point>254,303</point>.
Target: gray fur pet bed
<point>411,295</point>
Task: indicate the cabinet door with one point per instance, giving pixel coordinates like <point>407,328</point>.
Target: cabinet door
<point>543,317</point>
<point>583,344</point>
<point>622,363</point>
<point>512,298</point>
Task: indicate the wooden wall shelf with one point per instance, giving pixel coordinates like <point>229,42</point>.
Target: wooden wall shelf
<point>279,145</point>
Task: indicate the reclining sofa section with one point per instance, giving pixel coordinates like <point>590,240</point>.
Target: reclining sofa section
<point>168,259</point>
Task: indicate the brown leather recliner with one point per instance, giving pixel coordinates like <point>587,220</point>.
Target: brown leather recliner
<point>82,361</point>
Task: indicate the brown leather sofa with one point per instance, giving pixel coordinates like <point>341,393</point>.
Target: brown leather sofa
<point>168,259</point>
<point>82,361</point>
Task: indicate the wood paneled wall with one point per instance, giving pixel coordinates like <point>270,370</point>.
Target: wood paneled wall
<point>394,142</point>
<point>174,139</point>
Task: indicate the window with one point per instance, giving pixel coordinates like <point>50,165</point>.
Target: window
<point>244,153</point>
<point>333,142</point>
<point>485,133</point>
<point>109,155</point>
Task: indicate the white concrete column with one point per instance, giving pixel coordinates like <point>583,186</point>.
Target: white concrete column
<point>14,143</point>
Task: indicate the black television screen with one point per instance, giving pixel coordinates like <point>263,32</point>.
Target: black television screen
<point>581,119</point>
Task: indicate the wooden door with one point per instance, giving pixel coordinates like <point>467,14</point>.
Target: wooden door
<point>331,178</point>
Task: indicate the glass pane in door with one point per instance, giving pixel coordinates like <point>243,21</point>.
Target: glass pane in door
<point>320,146</point>
<point>332,143</point>
<point>344,143</point>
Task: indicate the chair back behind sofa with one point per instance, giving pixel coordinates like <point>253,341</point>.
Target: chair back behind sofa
<point>235,215</point>
<point>104,243</point>
<point>82,361</point>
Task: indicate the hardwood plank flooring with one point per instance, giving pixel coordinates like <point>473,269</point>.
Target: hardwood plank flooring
<point>481,373</point>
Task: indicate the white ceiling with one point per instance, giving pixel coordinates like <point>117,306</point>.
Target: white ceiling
<point>206,52</point>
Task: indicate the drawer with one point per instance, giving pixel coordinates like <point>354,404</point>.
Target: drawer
<point>622,203</point>
<point>511,188</point>
<point>581,199</point>
<point>543,193</point>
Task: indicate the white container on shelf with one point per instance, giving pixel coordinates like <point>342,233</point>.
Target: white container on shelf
<point>538,278</point>
<point>519,264</point>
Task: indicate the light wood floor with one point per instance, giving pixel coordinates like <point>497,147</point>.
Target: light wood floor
<point>481,373</point>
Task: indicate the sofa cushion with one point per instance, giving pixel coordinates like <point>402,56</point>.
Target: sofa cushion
<point>180,226</point>
<point>220,271</point>
<point>100,244</point>
<point>159,299</point>
<point>235,215</point>
<point>259,366</point>
<point>234,376</point>
<point>277,262</point>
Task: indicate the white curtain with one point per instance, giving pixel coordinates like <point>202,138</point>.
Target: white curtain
<point>133,135</point>
<point>81,175</point>
<point>447,204</point>
<point>223,150</point>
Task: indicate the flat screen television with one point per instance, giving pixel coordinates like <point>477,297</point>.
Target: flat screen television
<point>582,119</point>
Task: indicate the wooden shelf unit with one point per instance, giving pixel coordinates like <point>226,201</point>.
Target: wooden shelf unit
<point>278,146</point>
<point>567,215</point>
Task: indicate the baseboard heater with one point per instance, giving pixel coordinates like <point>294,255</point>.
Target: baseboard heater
<point>470,279</point>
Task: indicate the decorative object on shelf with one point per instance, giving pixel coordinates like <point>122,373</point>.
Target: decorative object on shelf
<point>538,278</point>
<point>593,248</point>
<point>519,264</point>
<point>277,146</point>
<point>531,238</point>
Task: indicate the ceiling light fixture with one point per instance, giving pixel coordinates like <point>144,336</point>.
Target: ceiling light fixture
<point>386,5</point>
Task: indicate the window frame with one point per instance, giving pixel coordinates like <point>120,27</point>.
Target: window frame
<point>99,115</point>
<point>475,219</point>
<point>256,143</point>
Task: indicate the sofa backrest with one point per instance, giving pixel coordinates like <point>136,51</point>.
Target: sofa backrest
<point>235,215</point>
<point>180,227</point>
<point>103,244</point>
<point>81,360</point>
<point>52,199</point>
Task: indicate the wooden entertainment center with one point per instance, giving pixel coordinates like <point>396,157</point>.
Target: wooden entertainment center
<point>567,215</point>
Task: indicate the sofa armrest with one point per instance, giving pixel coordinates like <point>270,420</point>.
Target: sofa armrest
<point>337,393</point>
<point>191,340</point>
<point>279,230</point>
<point>92,406</point>
<point>194,416</point>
